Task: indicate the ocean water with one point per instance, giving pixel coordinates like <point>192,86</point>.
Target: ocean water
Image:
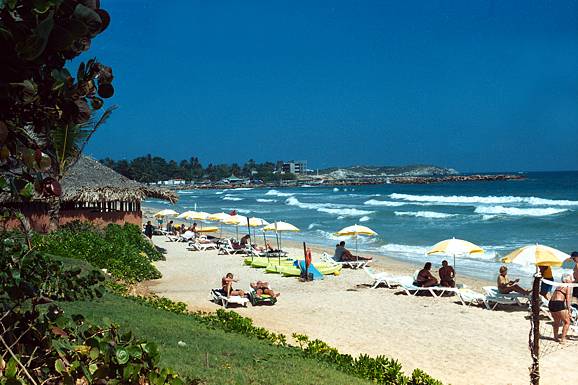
<point>499,216</point>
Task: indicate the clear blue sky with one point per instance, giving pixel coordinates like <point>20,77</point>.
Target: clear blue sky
<point>474,85</point>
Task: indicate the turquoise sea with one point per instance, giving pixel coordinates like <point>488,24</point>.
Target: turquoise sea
<point>499,216</point>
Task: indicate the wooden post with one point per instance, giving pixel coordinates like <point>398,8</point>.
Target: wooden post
<point>534,337</point>
<point>305,262</point>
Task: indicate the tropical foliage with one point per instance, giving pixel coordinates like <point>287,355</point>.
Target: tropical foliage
<point>122,250</point>
<point>149,169</point>
<point>41,102</point>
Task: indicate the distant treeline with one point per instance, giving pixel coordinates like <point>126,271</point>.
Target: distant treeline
<point>150,168</point>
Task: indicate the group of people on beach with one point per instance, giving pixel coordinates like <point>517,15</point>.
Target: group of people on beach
<point>260,287</point>
<point>425,278</point>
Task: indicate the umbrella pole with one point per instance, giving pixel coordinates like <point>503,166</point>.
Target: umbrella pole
<point>237,230</point>
<point>356,249</point>
<point>279,247</point>
<point>249,230</point>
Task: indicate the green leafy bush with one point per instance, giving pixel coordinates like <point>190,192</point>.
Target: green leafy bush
<point>41,344</point>
<point>121,250</point>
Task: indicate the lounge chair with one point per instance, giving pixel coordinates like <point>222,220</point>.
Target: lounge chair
<point>351,264</point>
<point>493,296</point>
<point>228,248</point>
<point>381,277</point>
<point>263,299</point>
<point>219,297</point>
<point>470,297</point>
<point>195,245</point>
<point>407,284</point>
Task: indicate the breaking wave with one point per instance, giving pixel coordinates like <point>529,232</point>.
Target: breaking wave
<point>424,214</point>
<point>364,219</point>
<point>278,193</point>
<point>329,208</point>
<point>230,198</point>
<point>266,200</point>
<point>533,212</point>
<point>459,199</point>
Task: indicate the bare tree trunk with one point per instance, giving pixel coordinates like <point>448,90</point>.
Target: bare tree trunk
<point>54,213</point>
<point>534,338</point>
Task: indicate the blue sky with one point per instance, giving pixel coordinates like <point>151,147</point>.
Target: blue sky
<point>474,85</point>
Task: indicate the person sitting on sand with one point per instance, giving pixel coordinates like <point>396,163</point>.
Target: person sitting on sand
<point>425,278</point>
<point>506,286</point>
<point>342,254</point>
<point>559,306</point>
<point>227,285</point>
<point>262,287</point>
<point>447,274</point>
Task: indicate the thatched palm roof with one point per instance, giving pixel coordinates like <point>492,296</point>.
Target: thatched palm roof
<point>90,181</point>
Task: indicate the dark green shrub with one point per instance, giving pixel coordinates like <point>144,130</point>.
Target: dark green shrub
<point>122,251</point>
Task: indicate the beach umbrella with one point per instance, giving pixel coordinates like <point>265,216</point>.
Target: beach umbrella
<point>538,255</point>
<point>218,217</point>
<point>355,231</point>
<point>185,215</point>
<point>278,228</point>
<point>255,222</point>
<point>165,213</point>
<point>454,247</point>
<point>235,220</point>
<point>198,215</point>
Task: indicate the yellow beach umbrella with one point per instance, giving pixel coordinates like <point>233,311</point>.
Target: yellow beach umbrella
<point>235,220</point>
<point>166,212</point>
<point>538,255</point>
<point>354,231</point>
<point>185,215</point>
<point>454,247</point>
<point>208,229</point>
<point>219,217</point>
<point>198,215</point>
<point>255,222</point>
<point>278,228</point>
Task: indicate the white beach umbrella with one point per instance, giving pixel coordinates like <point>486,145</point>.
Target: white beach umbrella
<point>355,231</point>
<point>185,215</point>
<point>255,222</point>
<point>219,217</point>
<point>165,213</point>
<point>235,220</point>
<point>538,255</point>
<point>278,228</point>
<point>455,247</point>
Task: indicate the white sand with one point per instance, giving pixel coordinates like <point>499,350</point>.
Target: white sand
<point>456,344</point>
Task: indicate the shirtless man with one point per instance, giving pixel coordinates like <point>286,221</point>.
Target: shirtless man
<point>227,285</point>
<point>506,286</point>
<point>342,254</point>
<point>262,287</point>
<point>425,277</point>
<point>447,274</point>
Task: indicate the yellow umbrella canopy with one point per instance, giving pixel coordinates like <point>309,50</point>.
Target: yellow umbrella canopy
<point>198,215</point>
<point>454,247</point>
<point>185,215</point>
<point>166,212</point>
<point>538,255</point>
<point>208,229</point>
<point>356,230</point>
<point>280,226</point>
<point>257,222</point>
<point>218,217</point>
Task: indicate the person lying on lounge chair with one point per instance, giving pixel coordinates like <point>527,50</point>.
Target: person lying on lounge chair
<point>227,285</point>
<point>506,286</point>
<point>447,274</point>
<point>262,287</point>
<point>342,254</point>
<point>425,278</point>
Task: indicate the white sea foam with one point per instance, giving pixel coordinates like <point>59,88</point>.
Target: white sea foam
<point>487,217</point>
<point>531,212</point>
<point>220,192</point>
<point>242,189</point>
<point>186,192</point>
<point>278,193</point>
<point>239,211</point>
<point>292,201</point>
<point>364,218</point>
<point>230,198</point>
<point>335,189</point>
<point>424,214</point>
<point>313,225</point>
<point>375,202</point>
<point>406,249</point>
<point>459,199</point>
<point>266,200</point>
<point>346,212</point>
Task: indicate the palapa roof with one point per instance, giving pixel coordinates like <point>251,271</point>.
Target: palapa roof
<point>90,181</point>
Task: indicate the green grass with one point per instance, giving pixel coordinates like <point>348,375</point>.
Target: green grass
<point>231,358</point>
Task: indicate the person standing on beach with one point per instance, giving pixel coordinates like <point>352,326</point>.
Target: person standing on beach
<point>574,257</point>
<point>559,306</point>
<point>149,230</point>
<point>447,274</point>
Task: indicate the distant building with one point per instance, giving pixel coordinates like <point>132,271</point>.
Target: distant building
<point>172,182</point>
<point>295,167</point>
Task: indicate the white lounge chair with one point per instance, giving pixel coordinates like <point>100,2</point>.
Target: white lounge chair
<point>201,246</point>
<point>219,297</point>
<point>227,248</point>
<point>381,277</point>
<point>493,296</point>
<point>351,264</point>
<point>471,297</point>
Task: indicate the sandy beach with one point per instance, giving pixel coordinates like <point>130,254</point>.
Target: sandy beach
<point>454,343</point>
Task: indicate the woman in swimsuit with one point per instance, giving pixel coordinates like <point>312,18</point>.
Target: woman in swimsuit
<point>558,306</point>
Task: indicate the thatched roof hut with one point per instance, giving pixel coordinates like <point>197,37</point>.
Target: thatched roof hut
<point>93,192</point>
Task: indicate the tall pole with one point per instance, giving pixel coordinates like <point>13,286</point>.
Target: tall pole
<point>534,337</point>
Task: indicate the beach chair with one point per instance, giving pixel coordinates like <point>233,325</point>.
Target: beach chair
<point>381,277</point>
<point>470,297</point>
<point>263,299</point>
<point>495,298</point>
<point>218,296</point>
<point>351,264</point>
<point>195,245</point>
<point>407,284</point>
<point>228,248</point>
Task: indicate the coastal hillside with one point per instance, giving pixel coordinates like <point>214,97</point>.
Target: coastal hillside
<point>381,171</point>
